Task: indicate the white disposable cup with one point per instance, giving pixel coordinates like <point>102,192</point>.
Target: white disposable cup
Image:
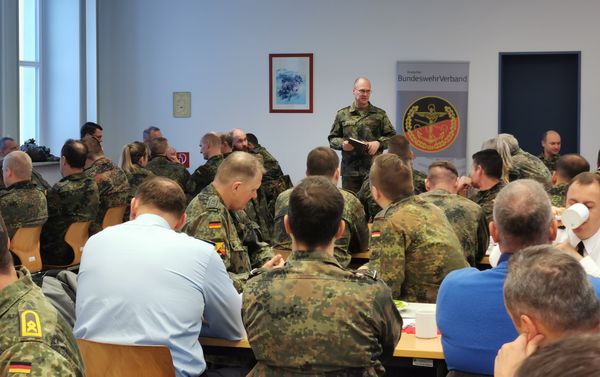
<point>575,215</point>
<point>425,326</point>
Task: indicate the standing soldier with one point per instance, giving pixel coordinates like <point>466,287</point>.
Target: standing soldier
<point>367,124</point>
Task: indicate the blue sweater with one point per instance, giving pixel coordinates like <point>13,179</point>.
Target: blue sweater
<point>472,318</point>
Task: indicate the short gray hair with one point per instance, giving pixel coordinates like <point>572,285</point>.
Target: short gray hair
<point>19,163</point>
<point>522,214</point>
<point>550,285</point>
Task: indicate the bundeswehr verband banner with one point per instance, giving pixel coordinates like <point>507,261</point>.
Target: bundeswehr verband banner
<point>432,100</point>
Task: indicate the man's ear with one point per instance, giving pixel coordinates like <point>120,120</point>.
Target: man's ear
<point>427,184</point>
<point>375,193</point>
<point>286,224</point>
<point>180,222</point>
<point>553,230</point>
<point>341,229</point>
<point>554,177</point>
<point>235,185</point>
<point>133,208</point>
<point>494,232</point>
<point>529,326</point>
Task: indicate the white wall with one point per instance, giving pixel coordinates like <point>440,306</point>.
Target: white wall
<point>219,50</point>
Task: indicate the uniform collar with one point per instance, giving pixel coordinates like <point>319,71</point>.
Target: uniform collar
<point>11,294</point>
<point>313,255</point>
<point>21,185</point>
<point>74,177</point>
<point>353,108</point>
<point>151,219</point>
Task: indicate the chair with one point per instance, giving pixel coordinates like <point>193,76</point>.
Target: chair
<point>26,245</point>
<point>113,216</point>
<point>76,237</point>
<point>118,360</point>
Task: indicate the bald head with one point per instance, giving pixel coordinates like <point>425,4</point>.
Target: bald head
<point>16,167</point>
<point>570,165</point>
<point>240,140</point>
<point>551,143</point>
<point>361,92</point>
<point>442,175</point>
<point>238,166</point>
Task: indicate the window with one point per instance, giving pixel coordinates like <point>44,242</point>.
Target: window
<point>29,69</point>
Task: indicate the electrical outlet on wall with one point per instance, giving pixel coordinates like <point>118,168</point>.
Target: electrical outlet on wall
<point>182,104</point>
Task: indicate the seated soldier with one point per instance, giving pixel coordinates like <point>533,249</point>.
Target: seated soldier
<point>7,145</point>
<point>400,146</point>
<point>467,218</point>
<point>485,179</point>
<point>567,167</point>
<point>73,199</point>
<point>113,187</point>
<point>134,158</point>
<point>210,148</point>
<point>22,203</point>
<point>413,246</point>
<point>161,165</point>
<point>36,340</point>
<point>548,297</point>
<point>550,149</point>
<point>312,316</point>
<point>150,133</point>
<point>210,217</point>
<point>325,162</point>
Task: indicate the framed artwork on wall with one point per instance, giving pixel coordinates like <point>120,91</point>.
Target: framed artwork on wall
<point>291,83</point>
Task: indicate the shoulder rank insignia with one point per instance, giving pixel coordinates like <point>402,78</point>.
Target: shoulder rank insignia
<point>30,324</point>
<point>19,367</point>
<point>220,248</point>
<point>214,225</point>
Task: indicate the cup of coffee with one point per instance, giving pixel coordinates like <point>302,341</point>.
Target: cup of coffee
<point>575,215</point>
<point>425,326</point>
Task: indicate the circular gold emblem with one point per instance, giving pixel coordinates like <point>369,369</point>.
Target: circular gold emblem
<point>431,124</point>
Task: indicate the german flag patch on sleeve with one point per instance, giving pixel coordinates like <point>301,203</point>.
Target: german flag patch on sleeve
<point>19,367</point>
<point>214,225</point>
<point>375,234</point>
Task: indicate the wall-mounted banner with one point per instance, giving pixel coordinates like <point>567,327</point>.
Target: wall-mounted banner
<point>432,99</point>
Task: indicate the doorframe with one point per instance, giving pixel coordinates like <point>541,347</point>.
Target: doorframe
<point>576,53</point>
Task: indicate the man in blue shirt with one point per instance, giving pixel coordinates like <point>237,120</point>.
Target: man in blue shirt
<point>470,307</point>
<point>142,282</point>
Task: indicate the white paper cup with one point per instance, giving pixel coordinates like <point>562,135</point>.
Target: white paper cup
<point>425,326</point>
<point>575,215</point>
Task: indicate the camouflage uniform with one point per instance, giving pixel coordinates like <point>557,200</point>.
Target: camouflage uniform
<point>354,240</point>
<point>113,188</point>
<point>208,219</point>
<point>314,318</point>
<point>73,199</point>
<point>22,205</point>
<point>549,162</point>
<point>526,165</point>
<point>372,208</point>
<point>163,167</point>
<point>485,199</point>
<point>257,210</point>
<point>35,340</point>
<point>413,247</point>
<point>371,124</point>
<point>135,179</point>
<point>467,220</point>
<point>205,174</point>
<point>558,194</point>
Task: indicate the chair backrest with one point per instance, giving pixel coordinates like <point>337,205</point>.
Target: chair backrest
<point>113,216</point>
<point>76,237</point>
<point>26,245</point>
<point>117,360</point>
